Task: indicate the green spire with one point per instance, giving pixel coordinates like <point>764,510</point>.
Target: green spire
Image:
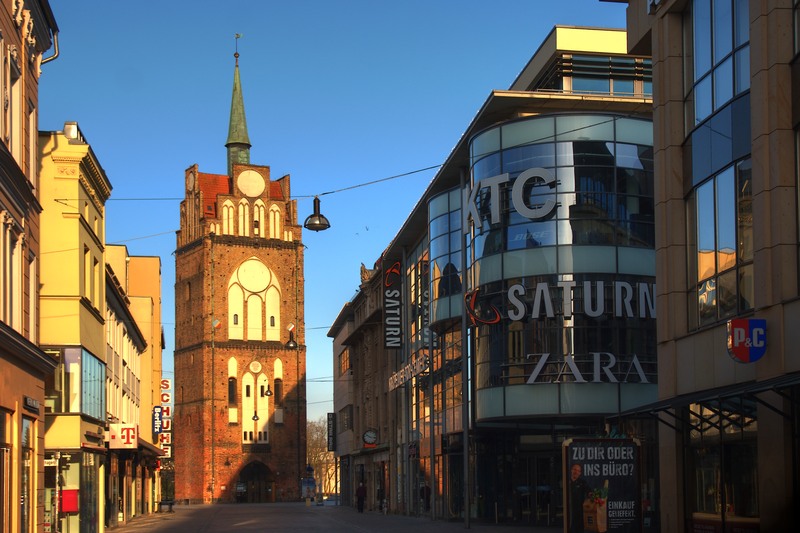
<point>238,143</point>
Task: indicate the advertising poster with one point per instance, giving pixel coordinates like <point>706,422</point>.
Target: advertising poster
<point>602,491</point>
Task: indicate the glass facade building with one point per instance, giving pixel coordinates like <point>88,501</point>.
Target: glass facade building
<point>568,266</point>
<point>557,288</point>
<point>528,297</point>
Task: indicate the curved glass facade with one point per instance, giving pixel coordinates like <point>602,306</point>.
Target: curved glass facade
<point>444,228</point>
<point>560,265</point>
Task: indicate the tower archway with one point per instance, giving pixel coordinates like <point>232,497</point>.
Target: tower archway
<point>258,482</point>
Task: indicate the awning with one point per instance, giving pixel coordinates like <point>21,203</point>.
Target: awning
<point>748,390</point>
<point>150,449</point>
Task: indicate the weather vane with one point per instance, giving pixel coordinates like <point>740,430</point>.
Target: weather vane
<point>237,36</point>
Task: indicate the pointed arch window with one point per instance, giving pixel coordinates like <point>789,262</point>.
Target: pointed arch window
<point>275,229</point>
<point>227,217</point>
<point>231,392</point>
<point>259,219</point>
<point>248,406</point>
<point>244,218</point>
<point>235,310</point>
<point>277,370</point>
<point>254,297</point>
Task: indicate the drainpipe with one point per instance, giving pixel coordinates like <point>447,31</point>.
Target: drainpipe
<point>55,49</point>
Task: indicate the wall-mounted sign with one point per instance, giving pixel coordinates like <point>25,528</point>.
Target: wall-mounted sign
<point>165,435</point>
<point>540,176</point>
<point>564,299</point>
<point>331,432</point>
<point>392,309</point>
<point>31,404</point>
<point>747,339</point>
<point>123,436</point>
<point>603,479</point>
<point>594,367</point>
<point>157,410</point>
<point>416,366</point>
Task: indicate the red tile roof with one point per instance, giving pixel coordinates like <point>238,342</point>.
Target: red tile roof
<point>275,191</point>
<point>211,186</point>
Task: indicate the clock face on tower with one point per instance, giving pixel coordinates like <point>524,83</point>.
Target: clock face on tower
<point>251,183</point>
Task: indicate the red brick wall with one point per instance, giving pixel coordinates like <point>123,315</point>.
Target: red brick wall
<point>285,456</point>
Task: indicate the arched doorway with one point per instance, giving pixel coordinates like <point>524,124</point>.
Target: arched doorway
<point>258,483</point>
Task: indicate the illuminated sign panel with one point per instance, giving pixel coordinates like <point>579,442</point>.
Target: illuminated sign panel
<point>747,339</point>
<point>123,436</point>
<point>165,435</point>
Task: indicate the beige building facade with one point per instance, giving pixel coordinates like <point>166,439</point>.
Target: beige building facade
<point>134,337</point>
<point>27,31</point>
<point>726,114</point>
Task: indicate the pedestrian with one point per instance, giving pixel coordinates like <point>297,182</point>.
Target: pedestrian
<point>361,494</point>
<point>578,490</point>
<point>425,494</point>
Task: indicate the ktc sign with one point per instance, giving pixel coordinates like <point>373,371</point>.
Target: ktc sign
<point>747,339</point>
<point>534,176</point>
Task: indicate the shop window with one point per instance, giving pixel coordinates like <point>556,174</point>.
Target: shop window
<point>722,462</point>
<point>5,467</point>
<point>27,492</point>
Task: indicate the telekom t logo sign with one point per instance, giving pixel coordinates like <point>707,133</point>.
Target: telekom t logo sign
<point>127,434</point>
<point>747,339</point>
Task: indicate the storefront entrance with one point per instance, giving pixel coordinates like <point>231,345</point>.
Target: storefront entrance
<point>537,489</point>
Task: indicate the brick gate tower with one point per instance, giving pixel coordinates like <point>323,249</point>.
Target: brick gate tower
<point>240,398</point>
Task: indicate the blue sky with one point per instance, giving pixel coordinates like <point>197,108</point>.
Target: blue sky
<point>337,94</point>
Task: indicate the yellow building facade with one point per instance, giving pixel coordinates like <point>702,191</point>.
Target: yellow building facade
<point>73,192</point>
<point>101,321</point>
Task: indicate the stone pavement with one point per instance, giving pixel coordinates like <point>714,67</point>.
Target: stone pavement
<point>297,517</point>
